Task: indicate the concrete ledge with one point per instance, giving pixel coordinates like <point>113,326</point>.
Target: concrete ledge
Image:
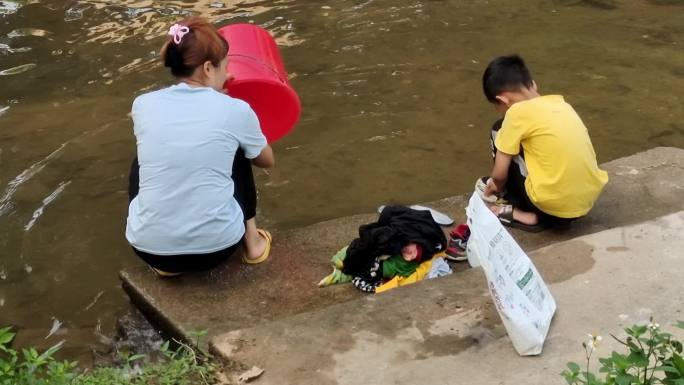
<point>236,296</point>
<point>448,332</point>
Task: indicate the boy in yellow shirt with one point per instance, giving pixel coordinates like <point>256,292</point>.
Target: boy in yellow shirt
<point>544,162</point>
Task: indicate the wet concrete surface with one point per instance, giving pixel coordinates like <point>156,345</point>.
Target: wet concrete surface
<point>306,344</point>
<point>236,296</point>
<point>446,331</point>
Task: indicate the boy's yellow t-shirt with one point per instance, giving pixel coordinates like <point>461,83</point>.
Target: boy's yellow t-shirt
<point>563,177</point>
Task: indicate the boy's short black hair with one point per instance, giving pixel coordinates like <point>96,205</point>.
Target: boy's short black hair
<point>505,73</point>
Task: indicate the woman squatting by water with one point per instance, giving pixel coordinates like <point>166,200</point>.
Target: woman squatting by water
<point>191,188</point>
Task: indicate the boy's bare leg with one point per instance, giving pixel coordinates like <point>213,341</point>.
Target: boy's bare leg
<point>254,243</point>
<point>525,217</point>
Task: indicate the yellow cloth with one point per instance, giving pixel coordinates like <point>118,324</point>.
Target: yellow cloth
<point>563,177</point>
<point>421,272</point>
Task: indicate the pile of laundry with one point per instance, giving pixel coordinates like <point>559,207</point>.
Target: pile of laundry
<point>404,246</point>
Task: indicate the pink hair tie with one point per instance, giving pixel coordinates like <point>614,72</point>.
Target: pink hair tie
<point>177,31</point>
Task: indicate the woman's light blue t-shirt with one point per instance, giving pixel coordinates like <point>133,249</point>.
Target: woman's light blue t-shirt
<point>187,138</point>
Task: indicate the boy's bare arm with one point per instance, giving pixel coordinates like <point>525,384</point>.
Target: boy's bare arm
<point>499,173</point>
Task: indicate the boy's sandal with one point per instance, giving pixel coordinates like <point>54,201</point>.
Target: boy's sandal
<point>267,251</point>
<point>506,219</point>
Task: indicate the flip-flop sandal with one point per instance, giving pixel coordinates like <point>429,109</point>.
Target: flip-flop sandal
<point>164,274</point>
<point>506,219</point>
<point>267,251</point>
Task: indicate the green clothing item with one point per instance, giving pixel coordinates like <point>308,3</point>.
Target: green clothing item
<point>397,265</point>
<point>337,276</point>
<point>338,259</point>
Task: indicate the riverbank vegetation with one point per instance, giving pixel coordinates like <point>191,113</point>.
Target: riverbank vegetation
<point>652,357</point>
<point>177,365</point>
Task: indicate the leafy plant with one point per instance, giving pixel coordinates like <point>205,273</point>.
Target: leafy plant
<point>179,366</point>
<point>653,357</point>
<point>31,367</point>
<point>197,335</point>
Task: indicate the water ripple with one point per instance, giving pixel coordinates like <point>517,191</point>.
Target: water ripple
<point>8,7</point>
<point>5,49</point>
<point>18,69</point>
<point>22,32</point>
<point>6,200</point>
<point>46,201</point>
<point>150,19</point>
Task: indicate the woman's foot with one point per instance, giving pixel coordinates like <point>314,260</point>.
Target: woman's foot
<point>257,243</point>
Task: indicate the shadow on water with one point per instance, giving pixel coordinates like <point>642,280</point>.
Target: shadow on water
<point>393,111</point>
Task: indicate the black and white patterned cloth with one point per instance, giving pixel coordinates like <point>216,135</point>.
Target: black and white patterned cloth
<point>367,285</point>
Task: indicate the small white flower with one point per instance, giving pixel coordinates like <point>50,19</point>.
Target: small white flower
<point>592,344</point>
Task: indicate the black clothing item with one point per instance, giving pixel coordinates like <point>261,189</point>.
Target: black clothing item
<point>396,227</point>
<point>374,279</point>
<point>185,263</point>
<point>245,189</point>
<point>516,193</point>
<point>246,196</point>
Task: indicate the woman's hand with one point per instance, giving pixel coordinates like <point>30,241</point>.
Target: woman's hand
<point>229,79</point>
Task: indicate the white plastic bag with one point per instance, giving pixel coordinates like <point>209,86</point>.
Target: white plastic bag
<point>521,297</point>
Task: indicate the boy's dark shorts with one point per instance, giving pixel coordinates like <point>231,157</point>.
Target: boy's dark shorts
<point>520,200</point>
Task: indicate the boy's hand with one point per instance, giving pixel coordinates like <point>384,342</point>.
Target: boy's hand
<point>491,188</point>
<point>497,182</point>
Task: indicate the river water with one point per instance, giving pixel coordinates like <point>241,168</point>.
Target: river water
<point>392,112</point>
